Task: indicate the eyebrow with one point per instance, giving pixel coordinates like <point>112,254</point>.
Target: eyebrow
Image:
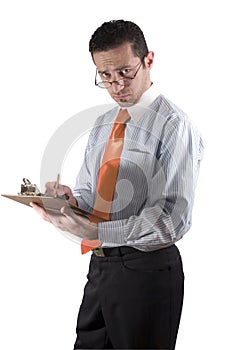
<point>114,70</point>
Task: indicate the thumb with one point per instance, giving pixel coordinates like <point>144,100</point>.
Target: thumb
<point>69,212</point>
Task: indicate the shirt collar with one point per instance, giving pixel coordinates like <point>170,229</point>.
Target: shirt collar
<point>136,111</point>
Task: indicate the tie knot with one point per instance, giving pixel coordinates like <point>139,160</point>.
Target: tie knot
<point>123,116</point>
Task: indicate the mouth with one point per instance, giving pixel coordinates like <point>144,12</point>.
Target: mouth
<point>121,97</point>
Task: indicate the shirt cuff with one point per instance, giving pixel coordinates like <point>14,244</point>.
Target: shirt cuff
<point>112,232</point>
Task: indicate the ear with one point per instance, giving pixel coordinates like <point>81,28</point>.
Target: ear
<point>149,59</point>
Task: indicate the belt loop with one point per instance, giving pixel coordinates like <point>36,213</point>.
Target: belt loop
<point>120,251</point>
<point>121,255</point>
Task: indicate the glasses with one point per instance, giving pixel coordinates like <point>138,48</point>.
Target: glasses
<point>126,81</point>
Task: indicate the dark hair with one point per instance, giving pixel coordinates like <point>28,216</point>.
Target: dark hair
<point>117,32</point>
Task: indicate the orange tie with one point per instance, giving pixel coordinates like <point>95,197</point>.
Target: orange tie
<point>108,175</point>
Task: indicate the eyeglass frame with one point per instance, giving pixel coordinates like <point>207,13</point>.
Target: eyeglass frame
<point>116,81</point>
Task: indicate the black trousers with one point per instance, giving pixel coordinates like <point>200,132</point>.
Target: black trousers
<point>132,300</point>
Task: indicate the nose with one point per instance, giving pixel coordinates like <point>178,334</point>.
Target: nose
<point>116,87</point>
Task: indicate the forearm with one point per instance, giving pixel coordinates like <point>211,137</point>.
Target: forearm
<point>152,229</point>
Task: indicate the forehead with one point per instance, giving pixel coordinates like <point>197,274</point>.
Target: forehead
<point>115,58</point>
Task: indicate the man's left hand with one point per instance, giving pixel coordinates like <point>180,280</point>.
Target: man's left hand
<point>69,221</point>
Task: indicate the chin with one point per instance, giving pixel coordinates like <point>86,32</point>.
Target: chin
<point>125,103</point>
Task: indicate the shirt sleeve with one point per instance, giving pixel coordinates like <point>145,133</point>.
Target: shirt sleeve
<point>167,213</point>
<point>84,190</point>
<point>84,182</point>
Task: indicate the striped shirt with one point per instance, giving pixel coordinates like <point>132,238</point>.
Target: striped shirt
<point>159,167</point>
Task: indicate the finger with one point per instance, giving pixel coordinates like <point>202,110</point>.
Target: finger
<point>40,211</point>
<point>58,190</point>
<point>53,189</point>
<point>50,188</point>
<point>69,213</point>
<point>66,191</point>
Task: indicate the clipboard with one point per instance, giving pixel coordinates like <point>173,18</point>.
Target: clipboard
<point>52,204</point>
<point>30,193</point>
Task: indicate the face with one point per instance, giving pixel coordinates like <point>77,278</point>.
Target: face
<point>120,62</point>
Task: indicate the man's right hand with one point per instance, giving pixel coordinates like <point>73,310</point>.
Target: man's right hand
<point>60,190</point>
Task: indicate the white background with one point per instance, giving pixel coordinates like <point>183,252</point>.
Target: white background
<point>46,77</point>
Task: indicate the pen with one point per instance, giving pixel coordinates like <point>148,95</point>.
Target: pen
<point>57,184</point>
<point>64,196</point>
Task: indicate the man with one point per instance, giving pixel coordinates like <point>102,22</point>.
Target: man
<point>141,183</point>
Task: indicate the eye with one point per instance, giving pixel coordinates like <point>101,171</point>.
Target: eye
<point>124,72</point>
<point>105,75</point>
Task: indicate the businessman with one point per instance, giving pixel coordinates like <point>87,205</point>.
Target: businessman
<point>138,177</point>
